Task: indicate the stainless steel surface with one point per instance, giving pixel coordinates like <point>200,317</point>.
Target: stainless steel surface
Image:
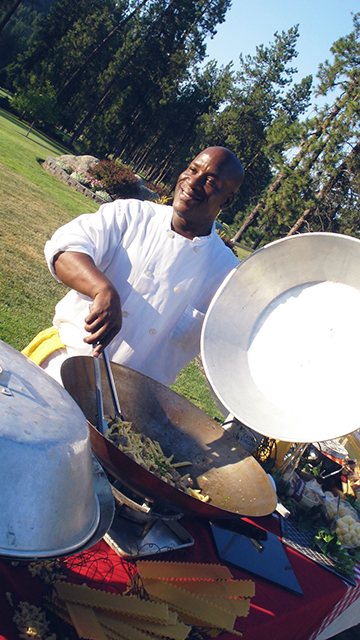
<point>226,472</point>
<point>48,502</point>
<point>134,540</point>
<point>104,496</point>
<point>263,284</point>
<point>106,502</point>
<point>133,507</point>
<point>114,395</point>
<point>100,418</point>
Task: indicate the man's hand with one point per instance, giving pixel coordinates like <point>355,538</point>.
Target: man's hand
<point>78,271</point>
<point>104,320</point>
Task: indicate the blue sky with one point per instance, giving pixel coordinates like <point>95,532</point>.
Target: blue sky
<point>249,24</point>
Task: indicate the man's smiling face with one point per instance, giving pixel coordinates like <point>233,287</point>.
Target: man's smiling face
<point>205,187</point>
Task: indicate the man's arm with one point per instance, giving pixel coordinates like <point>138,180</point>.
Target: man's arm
<point>78,271</point>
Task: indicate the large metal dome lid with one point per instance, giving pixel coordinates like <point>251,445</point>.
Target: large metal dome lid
<point>49,490</point>
<point>35,403</point>
<point>280,342</point>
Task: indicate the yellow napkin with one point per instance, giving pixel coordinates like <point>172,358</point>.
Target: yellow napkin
<point>43,345</point>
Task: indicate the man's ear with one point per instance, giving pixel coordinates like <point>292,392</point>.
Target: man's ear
<point>229,200</point>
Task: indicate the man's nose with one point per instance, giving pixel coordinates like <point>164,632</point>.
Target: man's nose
<point>195,180</point>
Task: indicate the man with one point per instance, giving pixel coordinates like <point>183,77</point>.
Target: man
<point>142,275</point>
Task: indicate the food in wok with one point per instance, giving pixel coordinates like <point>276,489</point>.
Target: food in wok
<point>149,455</point>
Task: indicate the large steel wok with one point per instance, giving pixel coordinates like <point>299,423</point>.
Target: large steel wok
<point>281,341</point>
<point>221,468</point>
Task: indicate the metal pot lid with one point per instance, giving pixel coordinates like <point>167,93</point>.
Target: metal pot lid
<point>280,342</point>
<point>34,402</point>
<point>49,501</point>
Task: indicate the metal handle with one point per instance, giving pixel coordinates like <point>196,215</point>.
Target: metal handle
<point>122,499</point>
<point>113,391</point>
<point>101,422</point>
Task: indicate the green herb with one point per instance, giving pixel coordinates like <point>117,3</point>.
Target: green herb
<point>311,469</point>
<point>330,546</point>
<point>355,502</point>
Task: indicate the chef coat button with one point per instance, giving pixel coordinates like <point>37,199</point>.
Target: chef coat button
<point>196,249</point>
<point>125,314</point>
<point>148,273</point>
<point>176,289</point>
<point>152,332</point>
<point>170,233</point>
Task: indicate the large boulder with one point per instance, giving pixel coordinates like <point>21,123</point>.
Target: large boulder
<point>82,164</point>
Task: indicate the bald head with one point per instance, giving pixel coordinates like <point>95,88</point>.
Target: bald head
<point>228,162</point>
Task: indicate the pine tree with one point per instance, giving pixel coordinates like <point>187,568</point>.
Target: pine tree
<point>261,100</point>
<point>312,191</point>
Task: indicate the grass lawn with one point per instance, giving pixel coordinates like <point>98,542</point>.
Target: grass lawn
<point>241,251</point>
<point>33,205</point>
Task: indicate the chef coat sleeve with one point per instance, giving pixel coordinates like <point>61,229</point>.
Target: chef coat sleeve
<point>95,234</point>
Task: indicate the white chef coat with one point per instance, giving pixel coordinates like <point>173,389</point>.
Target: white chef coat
<point>165,282</point>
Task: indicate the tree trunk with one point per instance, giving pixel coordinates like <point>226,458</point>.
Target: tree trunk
<point>80,70</point>
<point>30,128</point>
<point>90,114</point>
<point>100,102</point>
<point>9,14</point>
<point>325,189</point>
<point>257,241</point>
<point>341,102</point>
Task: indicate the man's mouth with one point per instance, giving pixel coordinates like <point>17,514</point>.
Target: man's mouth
<point>188,195</point>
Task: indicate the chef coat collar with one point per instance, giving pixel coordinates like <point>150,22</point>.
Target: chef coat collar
<point>196,239</point>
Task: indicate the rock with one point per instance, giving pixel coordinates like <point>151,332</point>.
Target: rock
<point>80,163</point>
<point>146,194</point>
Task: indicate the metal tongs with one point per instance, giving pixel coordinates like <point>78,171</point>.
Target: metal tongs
<point>101,421</point>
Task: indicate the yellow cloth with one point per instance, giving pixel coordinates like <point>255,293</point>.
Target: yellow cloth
<point>43,345</point>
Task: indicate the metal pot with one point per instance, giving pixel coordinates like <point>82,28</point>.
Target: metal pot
<point>220,466</point>
<point>53,499</point>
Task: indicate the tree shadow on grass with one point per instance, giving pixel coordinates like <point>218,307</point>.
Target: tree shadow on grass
<point>7,115</point>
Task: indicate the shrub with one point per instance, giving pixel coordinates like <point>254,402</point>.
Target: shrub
<point>103,195</point>
<point>5,103</point>
<point>165,196</point>
<point>65,166</point>
<point>117,179</point>
<point>81,177</point>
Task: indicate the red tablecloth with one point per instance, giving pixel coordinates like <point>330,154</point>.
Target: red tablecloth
<point>274,612</point>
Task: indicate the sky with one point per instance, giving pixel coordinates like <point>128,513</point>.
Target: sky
<point>248,24</point>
